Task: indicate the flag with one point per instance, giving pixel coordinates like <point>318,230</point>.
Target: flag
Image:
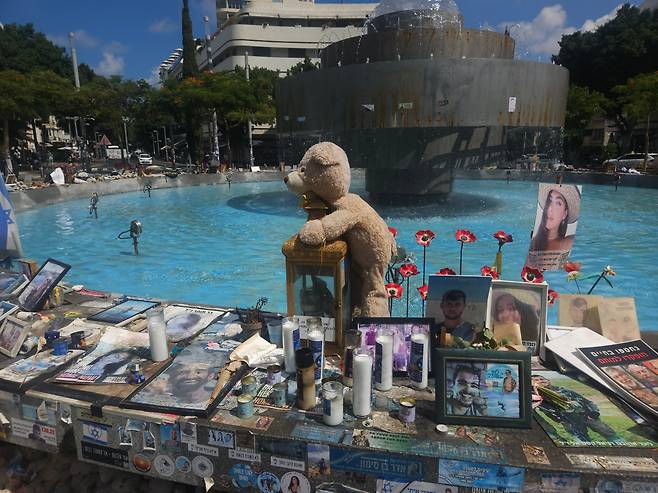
<point>10,240</point>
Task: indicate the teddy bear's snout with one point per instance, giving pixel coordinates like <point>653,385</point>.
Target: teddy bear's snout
<point>285,180</point>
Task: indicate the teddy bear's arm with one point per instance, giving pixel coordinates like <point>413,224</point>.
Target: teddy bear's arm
<point>329,228</point>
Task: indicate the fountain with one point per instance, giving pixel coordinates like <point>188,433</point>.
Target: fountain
<point>416,96</point>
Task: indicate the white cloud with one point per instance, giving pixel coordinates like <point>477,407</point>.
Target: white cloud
<point>111,64</point>
<point>540,37</point>
<point>162,26</point>
<point>154,78</point>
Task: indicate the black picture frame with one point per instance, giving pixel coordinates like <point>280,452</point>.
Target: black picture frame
<point>395,321</point>
<point>113,314</point>
<point>36,292</point>
<point>500,361</point>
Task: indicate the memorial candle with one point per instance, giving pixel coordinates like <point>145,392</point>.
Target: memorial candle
<point>316,344</point>
<point>384,359</point>
<point>361,382</point>
<point>419,359</point>
<point>291,342</point>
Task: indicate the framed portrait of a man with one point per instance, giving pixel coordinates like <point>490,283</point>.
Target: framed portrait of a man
<point>483,388</point>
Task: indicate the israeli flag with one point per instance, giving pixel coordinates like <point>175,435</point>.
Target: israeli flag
<point>10,240</point>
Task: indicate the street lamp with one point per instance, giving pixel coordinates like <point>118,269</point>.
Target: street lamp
<point>125,120</point>
<point>215,139</point>
<point>74,60</point>
<point>164,130</point>
<point>251,140</point>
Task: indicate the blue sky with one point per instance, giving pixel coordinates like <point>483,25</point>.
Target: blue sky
<point>131,38</point>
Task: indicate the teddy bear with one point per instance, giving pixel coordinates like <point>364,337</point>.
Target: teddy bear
<point>325,171</point>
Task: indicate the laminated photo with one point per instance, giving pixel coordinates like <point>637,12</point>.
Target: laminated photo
<point>35,293</point>
<point>184,321</point>
<point>558,212</point>
<point>123,312</point>
<point>42,363</point>
<point>12,334</point>
<point>579,310</point>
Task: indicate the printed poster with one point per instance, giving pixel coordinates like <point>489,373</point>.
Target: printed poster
<point>590,420</point>
<point>381,465</point>
<point>42,363</point>
<point>184,321</point>
<point>34,431</point>
<point>477,475</point>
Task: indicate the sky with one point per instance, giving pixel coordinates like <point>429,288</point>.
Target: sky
<point>131,38</point>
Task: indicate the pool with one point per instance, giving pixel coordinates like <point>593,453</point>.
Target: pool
<point>221,246</point>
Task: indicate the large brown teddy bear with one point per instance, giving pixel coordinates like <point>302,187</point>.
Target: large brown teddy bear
<point>325,171</point>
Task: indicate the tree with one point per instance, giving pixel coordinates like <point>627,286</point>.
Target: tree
<point>304,66</point>
<point>25,50</point>
<point>582,105</point>
<point>639,99</point>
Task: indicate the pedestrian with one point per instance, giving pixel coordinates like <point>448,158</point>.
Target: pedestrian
<point>93,205</point>
<point>509,174</point>
<point>616,178</point>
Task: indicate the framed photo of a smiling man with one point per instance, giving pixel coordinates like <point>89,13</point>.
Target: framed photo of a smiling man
<point>558,212</point>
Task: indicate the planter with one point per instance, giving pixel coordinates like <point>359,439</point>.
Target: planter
<point>251,328</point>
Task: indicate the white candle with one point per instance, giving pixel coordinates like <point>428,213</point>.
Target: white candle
<point>290,335</point>
<point>316,344</point>
<point>157,334</point>
<point>332,403</point>
<point>361,383</point>
<point>384,360</point>
<point>419,360</point>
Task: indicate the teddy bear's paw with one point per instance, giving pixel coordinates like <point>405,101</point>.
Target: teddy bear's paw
<point>312,233</point>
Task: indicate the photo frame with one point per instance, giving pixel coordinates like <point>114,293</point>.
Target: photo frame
<point>483,388</point>
<point>123,312</point>
<point>517,311</point>
<point>38,289</point>
<point>12,334</point>
<point>402,329</point>
<point>13,287</point>
<point>6,309</point>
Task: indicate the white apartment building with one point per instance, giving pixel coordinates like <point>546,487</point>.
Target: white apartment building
<point>275,34</point>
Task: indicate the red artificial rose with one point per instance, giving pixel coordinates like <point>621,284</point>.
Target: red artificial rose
<point>423,291</point>
<point>530,274</point>
<point>503,237</point>
<point>465,236</point>
<point>572,267</point>
<point>408,270</point>
<point>447,271</point>
<point>552,296</point>
<point>424,237</point>
<point>393,231</point>
<point>487,271</point>
<point>393,290</point>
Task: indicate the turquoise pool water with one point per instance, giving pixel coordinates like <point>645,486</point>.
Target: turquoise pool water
<point>222,246</point>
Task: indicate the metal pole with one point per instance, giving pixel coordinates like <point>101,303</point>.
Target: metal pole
<point>164,130</point>
<point>157,139</point>
<point>215,126</point>
<point>74,59</point>
<point>251,140</point>
<point>125,133</point>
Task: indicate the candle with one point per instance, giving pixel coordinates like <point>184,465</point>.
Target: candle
<point>384,359</point>
<point>419,360</point>
<point>332,403</point>
<point>291,343</point>
<point>361,382</point>
<point>348,362</point>
<point>305,379</point>
<point>157,334</point>
<point>316,344</point>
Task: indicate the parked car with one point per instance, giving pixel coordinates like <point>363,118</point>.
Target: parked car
<point>145,159</point>
<point>632,160</point>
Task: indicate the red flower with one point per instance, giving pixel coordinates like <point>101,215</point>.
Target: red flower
<point>393,231</point>
<point>423,291</point>
<point>447,271</point>
<point>487,271</point>
<point>393,290</point>
<point>465,236</point>
<point>408,270</point>
<point>503,237</point>
<point>424,237</point>
<point>552,296</point>
<point>572,267</point>
<point>530,274</point>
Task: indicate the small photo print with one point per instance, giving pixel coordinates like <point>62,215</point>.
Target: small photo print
<point>318,460</point>
<point>482,389</point>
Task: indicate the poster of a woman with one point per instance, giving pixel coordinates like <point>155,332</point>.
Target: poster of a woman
<point>558,211</point>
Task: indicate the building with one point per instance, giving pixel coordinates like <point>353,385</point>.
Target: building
<point>275,34</point>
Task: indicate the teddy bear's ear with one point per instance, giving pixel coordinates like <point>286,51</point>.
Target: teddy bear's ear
<point>326,154</point>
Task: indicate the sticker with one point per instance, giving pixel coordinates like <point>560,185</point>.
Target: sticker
<point>243,455</point>
<point>242,476</point>
<point>183,464</point>
<point>292,449</point>
<point>169,432</point>
<point>188,432</point>
<point>208,483</point>
<point>93,432</point>
<point>292,481</point>
<point>535,455</point>
<point>565,482</point>
<point>42,412</point>
<point>319,463</point>
<point>245,440</point>
<point>141,463</point>
<point>202,467</point>
<point>452,451</point>
<point>45,412</point>
<point>388,486</point>
<point>65,413</point>
<point>268,482</point>
<point>34,431</point>
<point>477,475</point>
<point>317,433</point>
<point>106,455</point>
<point>256,422</point>
<point>124,437</point>
<point>220,438</point>
<point>621,486</point>
<point>285,463</point>
<point>395,442</point>
<point>148,441</point>
<point>135,425</point>
<point>620,463</point>
<point>203,449</point>
<point>164,465</point>
<point>584,461</point>
<point>384,466</point>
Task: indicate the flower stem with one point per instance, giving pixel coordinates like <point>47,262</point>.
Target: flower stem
<point>424,249</point>
<point>577,285</point>
<point>407,297</point>
<point>597,281</point>
<point>461,253</point>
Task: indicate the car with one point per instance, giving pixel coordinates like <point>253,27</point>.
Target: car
<point>144,159</point>
<point>632,160</point>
